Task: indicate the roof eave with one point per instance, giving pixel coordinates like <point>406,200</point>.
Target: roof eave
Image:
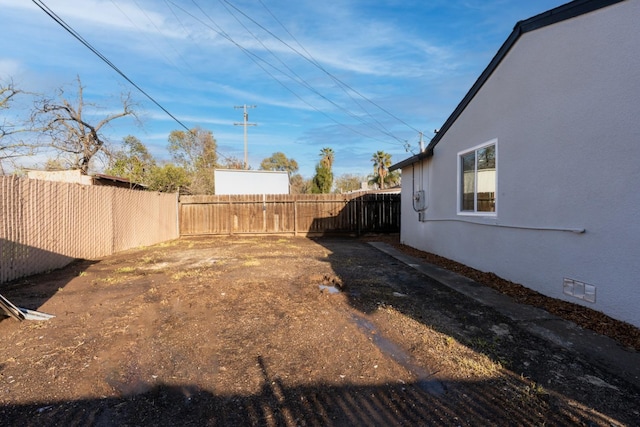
<point>558,14</point>
<point>411,160</point>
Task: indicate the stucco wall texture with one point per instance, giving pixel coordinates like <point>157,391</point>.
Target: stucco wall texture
<point>564,108</point>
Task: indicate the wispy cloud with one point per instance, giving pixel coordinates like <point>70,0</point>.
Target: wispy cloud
<point>9,67</point>
<point>412,58</point>
<point>113,15</point>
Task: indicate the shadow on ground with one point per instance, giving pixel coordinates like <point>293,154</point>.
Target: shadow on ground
<point>383,282</point>
<point>34,291</point>
<point>319,405</point>
<point>371,280</point>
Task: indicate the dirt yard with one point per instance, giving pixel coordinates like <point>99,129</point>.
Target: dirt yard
<point>237,331</point>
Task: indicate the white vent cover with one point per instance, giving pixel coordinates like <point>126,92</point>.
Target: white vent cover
<point>580,290</point>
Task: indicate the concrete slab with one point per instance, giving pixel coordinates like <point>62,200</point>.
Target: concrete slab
<point>599,349</point>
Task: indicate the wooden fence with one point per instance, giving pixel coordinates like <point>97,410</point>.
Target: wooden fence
<point>45,225</point>
<point>290,214</point>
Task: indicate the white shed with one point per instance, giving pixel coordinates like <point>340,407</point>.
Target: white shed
<point>238,181</point>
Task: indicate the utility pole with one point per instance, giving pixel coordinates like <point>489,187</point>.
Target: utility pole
<point>245,124</point>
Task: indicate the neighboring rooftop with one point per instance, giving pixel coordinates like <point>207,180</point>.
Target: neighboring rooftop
<point>76,176</point>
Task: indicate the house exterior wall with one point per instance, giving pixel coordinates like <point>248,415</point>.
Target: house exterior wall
<point>236,181</point>
<point>564,108</point>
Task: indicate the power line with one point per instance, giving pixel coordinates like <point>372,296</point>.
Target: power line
<point>319,66</point>
<point>308,86</point>
<point>257,59</point>
<point>303,82</point>
<point>159,31</point>
<point>251,55</point>
<point>345,87</point>
<point>75,34</point>
<point>383,128</point>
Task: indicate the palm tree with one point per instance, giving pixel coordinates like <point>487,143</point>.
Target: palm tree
<point>323,179</point>
<point>381,162</point>
<point>326,157</point>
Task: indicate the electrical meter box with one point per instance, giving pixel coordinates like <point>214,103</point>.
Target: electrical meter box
<point>419,200</point>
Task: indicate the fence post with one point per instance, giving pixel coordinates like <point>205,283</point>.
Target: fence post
<point>264,213</point>
<point>230,216</point>
<point>178,214</point>
<point>359,215</point>
<point>295,216</point>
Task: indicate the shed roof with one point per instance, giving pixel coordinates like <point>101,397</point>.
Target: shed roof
<point>550,17</point>
<point>116,181</point>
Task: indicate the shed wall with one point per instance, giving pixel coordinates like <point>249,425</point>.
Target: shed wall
<point>245,182</point>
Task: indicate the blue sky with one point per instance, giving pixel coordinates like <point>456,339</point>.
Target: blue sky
<point>355,75</point>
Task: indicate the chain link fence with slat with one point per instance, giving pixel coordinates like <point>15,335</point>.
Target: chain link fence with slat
<point>46,225</point>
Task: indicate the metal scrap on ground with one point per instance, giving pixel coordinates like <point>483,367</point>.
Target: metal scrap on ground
<point>21,313</point>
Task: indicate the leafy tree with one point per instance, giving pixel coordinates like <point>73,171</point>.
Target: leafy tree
<point>68,129</point>
<point>390,179</point>
<point>322,181</point>
<point>349,182</point>
<point>167,178</point>
<point>279,162</point>
<point>381,162</point>
<point>195,151</point>
<point>393,178</point>
<point>134,162</point>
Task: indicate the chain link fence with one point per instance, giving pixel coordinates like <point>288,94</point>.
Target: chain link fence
<point>46,225</point>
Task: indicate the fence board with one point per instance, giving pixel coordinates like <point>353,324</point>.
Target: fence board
<point>289,214</point>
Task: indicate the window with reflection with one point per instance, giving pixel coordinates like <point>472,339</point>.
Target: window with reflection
<point>477,190</point>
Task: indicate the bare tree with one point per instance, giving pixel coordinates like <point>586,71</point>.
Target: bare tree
<point>7,92</point>
<point>68,130</point>
<point>349,182</point>
<point>10,146</point>
<point>299,185</point>
<point>233,163</point>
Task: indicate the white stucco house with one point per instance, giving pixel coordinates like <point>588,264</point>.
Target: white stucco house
<point>535,176</point>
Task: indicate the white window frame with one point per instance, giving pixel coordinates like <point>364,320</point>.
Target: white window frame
<point>459,180</point>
